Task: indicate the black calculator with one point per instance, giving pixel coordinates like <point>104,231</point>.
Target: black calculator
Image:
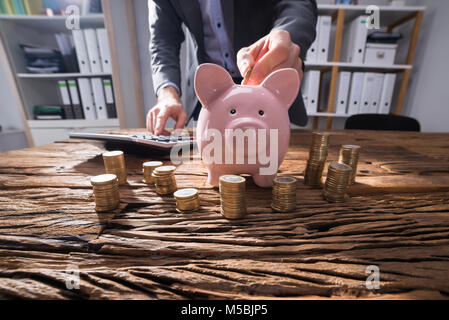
<point>147,140</point>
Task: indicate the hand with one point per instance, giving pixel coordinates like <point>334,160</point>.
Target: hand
<point>272,52</point>
<point>168,105</point>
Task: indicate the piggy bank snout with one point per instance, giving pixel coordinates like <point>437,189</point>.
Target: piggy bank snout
<point>248,126</point>
<point>247,123</point>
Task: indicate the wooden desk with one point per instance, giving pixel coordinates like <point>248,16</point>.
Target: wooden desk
<point>397,219</point>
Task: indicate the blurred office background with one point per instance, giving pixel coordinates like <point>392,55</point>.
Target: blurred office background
<point>126,23</point>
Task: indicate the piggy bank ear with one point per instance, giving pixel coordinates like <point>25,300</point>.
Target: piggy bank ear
<point>284,84</point>
<point>211,81</point>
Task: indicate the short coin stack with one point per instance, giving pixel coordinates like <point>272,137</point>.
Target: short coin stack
<point>338,176</point>
<point>317,159</point>
<point>187,200</point>
<point>148,168</point>
<point>284,194</point>
<point>114,163</point>
<point>164,179</point>
<point>349,154</point>
<point>106,192</point>
<point>232,196</point>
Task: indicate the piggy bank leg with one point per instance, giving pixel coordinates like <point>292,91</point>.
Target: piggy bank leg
<point>263,181</point>
<point>213,176</point>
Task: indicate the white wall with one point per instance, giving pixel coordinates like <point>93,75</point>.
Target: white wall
<point>428,93</point>
<point>12,135</point>
<point>9,115</point>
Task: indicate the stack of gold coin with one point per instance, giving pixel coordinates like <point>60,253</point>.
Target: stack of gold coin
<point>232,196</point>
<point>349,154</point>
<point>106,192</point>
<point>114,163</point>
<point>338,176</point>
<point>148,168</point>
<point>187,200</point>
<point>284,194</point>
<point>317,159</point>
<point>164,179</point>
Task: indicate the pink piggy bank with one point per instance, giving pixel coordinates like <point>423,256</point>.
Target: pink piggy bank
<point>244,129</point>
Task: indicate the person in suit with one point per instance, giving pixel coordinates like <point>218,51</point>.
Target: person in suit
<point>240,35</point>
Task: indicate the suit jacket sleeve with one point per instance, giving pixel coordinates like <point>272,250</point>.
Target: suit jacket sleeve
<point>165,43</point>
<point>299,18</point>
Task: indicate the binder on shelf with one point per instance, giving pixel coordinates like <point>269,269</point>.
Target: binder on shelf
<point>65,97</point>
<point>312,52</point>
<point>8,7</point>
<point>92,50</point>
<point>354,40</point>
<point>99,101</point>
<point>66,47</point>
<point>3,9</point>
<point>313,87</point>
<point>355,94</point>
<point>368,83</point>
<point>81,51</point>
<point>387,93</point>
<point>341,101</point>
<point>76,103</point>
<point>18,7</point>
<point>376,93</point>
<point>33,7</point>
<point>87,99</point>
<point>105,54</point>
<point>109,97</point>
<point>324,38</point>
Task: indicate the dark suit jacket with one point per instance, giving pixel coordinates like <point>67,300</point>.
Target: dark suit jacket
<point>246,22</point>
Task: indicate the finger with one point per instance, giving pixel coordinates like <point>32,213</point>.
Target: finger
<point>181,121</point>
<point>164,132</point>
<point>278,52</point>
<point>160,122</point>
<point>148,121</point>
<point>291,62</point>
<point>151,121</point>
<point>244,60</point>
<point>248,55</point>
<point>154,119</point>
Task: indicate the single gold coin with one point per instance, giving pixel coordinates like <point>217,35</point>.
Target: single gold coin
<point>112,154</point>
<point>186,193</point>
<point>153,164</point>
<point>103,179</point>
<point>164,170</point>
<point>232,178</point>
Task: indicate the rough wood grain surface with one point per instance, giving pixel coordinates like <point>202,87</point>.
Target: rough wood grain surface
<point>397,218</point>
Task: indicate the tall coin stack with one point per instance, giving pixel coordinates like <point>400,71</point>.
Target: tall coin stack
<point>164,179</point>
<point>317,159</point>
<point>148,168</point>
<point>232,196</point>
<point>284,194</point>
<point>114,163</point>
<point>187,200</point>
<point>338,176</point>
<point>106,192</point>
<point>349,154</point>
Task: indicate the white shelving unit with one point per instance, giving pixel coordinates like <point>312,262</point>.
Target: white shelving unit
<point>42,89</point>
<point>61,75</point>
<point>390,18</point>
<point>357,66</point>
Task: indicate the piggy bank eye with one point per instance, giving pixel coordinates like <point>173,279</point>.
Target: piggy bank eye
<point>261,112</point>
<point>233,111</point>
